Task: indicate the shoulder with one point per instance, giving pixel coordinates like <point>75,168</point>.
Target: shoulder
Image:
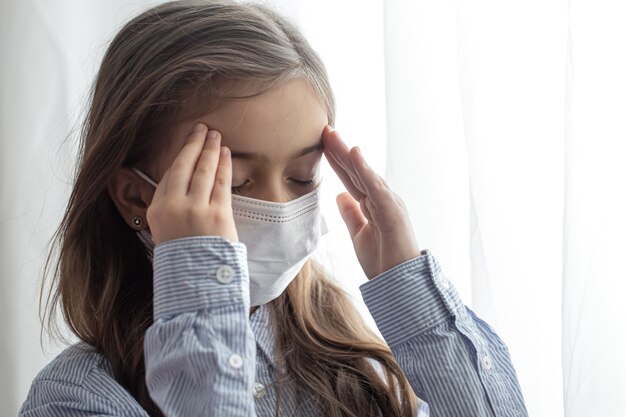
<point>73,365</point>
<point>80,380</point>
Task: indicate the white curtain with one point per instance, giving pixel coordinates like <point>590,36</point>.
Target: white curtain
<point>500,124</point>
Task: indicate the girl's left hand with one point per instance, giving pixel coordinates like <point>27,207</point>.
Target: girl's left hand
<point>376,217</point>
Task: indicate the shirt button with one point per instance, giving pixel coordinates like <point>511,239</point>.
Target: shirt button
<point>486,362</point>
<point>225,274</point>
<point>259,390</point>
<point>235,361</point>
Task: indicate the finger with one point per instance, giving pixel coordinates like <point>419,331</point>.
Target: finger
<point>338,165</point>
<point>375,188</point>
<point>203,176</point>
<point>365,202</point>
<point>341,153</point>
<point>351,213</point>
<point>185,163</point>
<point>350,173</point>
<point>221,194</point>
<point>345,178</point>
<point>161,189</point>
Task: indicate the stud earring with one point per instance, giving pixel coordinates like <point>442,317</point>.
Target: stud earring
<point>137,221</point>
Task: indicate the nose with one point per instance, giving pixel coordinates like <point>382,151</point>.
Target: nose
<point>276,193</point>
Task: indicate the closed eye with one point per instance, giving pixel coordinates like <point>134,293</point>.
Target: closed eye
<point>305,184</point>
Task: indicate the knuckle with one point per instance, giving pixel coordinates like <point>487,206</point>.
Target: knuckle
<point>220,181</point>
<point>177,165</point>
<point>202,170</point>
<point>194,211</point>
<point>221,216</point>
<point>207,154</point>
<point>380,187</point>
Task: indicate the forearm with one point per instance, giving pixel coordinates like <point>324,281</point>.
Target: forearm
<point>200,352</point>
<point>452,359</point>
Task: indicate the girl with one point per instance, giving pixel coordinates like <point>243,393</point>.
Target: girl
<point>185,265</point>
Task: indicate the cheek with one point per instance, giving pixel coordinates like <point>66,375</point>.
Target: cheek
<point>239,174</point>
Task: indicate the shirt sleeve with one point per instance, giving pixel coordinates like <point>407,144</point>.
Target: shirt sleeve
<point>200,351</point>
<point>453,360</point>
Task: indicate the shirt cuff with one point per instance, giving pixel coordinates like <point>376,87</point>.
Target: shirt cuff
<point>410,298</point>
<point>197,272</point>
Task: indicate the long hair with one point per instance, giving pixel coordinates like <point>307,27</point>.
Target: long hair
<point>171,63</point>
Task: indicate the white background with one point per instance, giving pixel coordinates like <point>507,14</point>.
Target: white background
<point>500,124</point>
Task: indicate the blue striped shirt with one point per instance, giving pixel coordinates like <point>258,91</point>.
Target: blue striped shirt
<point>206,356</point>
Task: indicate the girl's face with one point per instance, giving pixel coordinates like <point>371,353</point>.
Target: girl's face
<point>275,142</point>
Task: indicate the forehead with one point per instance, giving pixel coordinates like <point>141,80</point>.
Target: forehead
<point>277,123</point>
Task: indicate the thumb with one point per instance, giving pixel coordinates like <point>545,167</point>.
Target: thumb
<point>351,213</point>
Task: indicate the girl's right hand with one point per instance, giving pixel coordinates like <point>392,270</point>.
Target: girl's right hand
<point>194,196</point>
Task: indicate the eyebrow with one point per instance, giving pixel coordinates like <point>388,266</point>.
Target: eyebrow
<point>263,157</point>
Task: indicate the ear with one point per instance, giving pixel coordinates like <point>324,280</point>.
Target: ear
<point>131,195</point>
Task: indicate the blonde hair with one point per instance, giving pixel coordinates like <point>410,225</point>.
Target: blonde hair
<point>168,64</point>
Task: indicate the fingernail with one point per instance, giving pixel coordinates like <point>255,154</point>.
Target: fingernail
<point>213,134</point>
<point>199,127</point>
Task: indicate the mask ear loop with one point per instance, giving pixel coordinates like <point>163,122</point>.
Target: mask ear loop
<point>146,238</point>
<point>323,225</point>
<point>145,177</point>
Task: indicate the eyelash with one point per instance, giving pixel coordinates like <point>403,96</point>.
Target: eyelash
<point>304,184</point>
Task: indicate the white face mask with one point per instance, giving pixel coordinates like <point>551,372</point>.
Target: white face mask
<point>279,239</point>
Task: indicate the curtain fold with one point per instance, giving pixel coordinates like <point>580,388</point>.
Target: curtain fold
<point>509,119</point>
<point>594,271</point>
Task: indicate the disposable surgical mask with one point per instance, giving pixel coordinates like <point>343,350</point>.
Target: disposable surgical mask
<point>279,238</point>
